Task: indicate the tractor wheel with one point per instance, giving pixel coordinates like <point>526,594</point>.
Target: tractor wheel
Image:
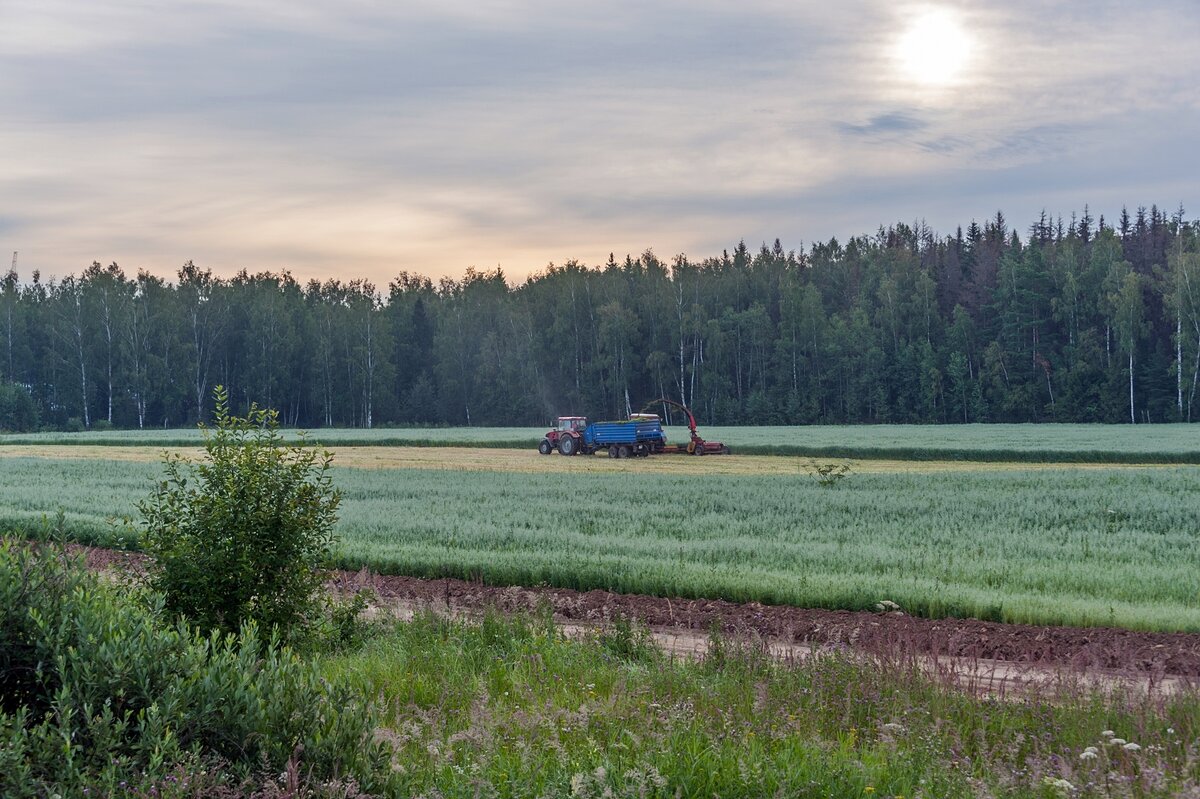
<point>726,450</point>
<point>624,451</point>
<point>612,452</point>
<point>698,450</point>
<point>567,445</point>
<point>545,447</point>
<point>640,450</point>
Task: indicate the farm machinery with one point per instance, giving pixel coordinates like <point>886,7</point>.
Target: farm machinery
<point>638,436</point>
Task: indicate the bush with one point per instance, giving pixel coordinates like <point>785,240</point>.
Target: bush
<point>18,412</point>
<point>243,534</point>
<point>101,693</point>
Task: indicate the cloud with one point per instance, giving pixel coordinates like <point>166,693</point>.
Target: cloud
<point>364,137</point>
<point>893,122</point>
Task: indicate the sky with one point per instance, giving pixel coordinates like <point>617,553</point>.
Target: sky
<point>361,138</point>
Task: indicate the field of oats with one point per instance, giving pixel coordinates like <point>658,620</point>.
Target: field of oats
<point>1077,545</point>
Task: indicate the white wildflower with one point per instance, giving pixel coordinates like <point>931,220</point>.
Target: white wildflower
<point>1107,733</point>
<point>1061,785</point>
<point>1089,754</point>
<point>1131,747</point>
<point>1116,741</point>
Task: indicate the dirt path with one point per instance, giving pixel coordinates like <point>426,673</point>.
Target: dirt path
<point>982,676</point>
<point>985,657</point>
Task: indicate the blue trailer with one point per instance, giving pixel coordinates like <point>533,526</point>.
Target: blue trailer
<point>635,438</point>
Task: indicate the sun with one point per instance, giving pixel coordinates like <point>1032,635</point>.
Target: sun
<point>935,49</point>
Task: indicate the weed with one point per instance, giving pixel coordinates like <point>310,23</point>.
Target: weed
<point>628,640</point>
<point>828,475</point>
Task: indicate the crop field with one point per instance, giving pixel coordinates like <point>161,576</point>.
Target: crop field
<point>475,459</point>
<point>1069,545</point>
<point>1080,443</point>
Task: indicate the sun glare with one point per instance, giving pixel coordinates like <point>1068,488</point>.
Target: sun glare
<point>934,49</point>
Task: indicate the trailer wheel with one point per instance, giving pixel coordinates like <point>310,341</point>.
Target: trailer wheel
<point>567,445</point>
<point>545,447</point>
<point>624,451</point>
<point>612,452</point>
<point>641,450</point>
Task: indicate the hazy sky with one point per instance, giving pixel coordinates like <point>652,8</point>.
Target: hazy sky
<point>356,138</point>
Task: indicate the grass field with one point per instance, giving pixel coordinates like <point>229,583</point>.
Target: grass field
<point>1158,443</point>
<point>1097,546</point>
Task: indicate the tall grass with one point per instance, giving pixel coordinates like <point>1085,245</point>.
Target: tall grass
<point>511,708</point>
<point>1097,547</point>
<point>1078,443</point>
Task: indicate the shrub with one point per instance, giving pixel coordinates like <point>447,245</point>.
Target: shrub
<point>101,693</point>
<point>243,534</point>
<point>18,412</point>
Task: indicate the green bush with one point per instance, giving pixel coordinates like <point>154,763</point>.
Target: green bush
<point>100,692</point>
<point>243,534</point>
<point>18,412</point>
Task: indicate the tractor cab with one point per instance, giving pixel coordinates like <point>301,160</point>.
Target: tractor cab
<point>572,423</point>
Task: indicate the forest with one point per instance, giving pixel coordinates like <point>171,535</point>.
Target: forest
<point>1076,320</point>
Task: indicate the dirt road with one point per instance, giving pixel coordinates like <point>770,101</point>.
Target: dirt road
<point>985,657</point>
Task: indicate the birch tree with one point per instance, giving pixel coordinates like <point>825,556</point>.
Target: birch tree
<point>106,296</point>
<point>204,317</point>
<point>10,308</point>
<point>1185,302</point>
<point>72,331</point>
<point>1128,310</point>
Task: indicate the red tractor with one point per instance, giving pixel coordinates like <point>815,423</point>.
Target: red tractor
<point>566,438</point>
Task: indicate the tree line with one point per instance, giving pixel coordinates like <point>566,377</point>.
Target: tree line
<point>1077,320</point>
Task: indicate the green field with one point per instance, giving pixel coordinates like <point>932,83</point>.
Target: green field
<point>1078,443</point>
<point>1109,546</point>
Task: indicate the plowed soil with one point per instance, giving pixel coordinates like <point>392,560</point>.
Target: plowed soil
<point>1152,657</point>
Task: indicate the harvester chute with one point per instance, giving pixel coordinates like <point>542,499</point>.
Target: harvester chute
<point>696,445</point>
